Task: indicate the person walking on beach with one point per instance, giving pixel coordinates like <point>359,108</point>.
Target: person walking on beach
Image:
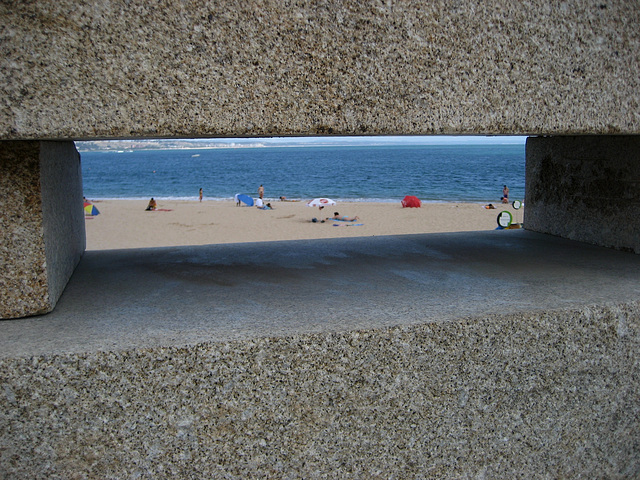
<point>200,194</point>
<point>261,191</point>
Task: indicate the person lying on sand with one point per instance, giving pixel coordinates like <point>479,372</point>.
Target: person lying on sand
<point>342,218</point>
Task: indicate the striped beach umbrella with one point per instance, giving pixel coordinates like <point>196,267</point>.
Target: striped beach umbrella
<point>90,210</point>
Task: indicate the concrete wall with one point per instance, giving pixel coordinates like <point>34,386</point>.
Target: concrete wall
<point>41,224</point>
<point>136,69</point>
<point>546,395</point>
<point>190,68</point>
<point>585,188</point>
<point>62,212</point>
<point>551,395</point>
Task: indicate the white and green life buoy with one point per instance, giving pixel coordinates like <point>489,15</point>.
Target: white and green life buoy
<point>504,219</point>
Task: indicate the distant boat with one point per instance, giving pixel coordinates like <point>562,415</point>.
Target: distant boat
<point>196,155</point>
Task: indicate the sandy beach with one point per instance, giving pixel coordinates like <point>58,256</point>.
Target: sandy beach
<point>126,224</point>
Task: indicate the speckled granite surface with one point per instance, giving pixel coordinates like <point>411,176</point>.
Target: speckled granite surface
<point>502,354</point>
<point>135,69</point>
<point>547,395</point>
<point>23,265</point>
<point>526,395</point>
<point>41,224</point>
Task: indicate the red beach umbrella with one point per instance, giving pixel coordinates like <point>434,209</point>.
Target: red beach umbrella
<point>411,202</point>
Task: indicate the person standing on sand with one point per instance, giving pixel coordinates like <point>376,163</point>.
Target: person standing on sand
<point>200,194</point>
<point>505,194</point>
<point>261,191</point>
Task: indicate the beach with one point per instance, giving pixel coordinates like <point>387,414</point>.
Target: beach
<point>125,224</point>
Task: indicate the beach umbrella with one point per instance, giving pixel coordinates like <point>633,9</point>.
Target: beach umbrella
<point>246,199</point>
<point>321,202</point>
<point>411,201</point>
<point>90,209</point>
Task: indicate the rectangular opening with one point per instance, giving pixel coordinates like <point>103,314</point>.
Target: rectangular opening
<point>454,177</point>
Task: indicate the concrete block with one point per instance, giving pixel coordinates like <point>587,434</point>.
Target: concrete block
<point>41,224</point>
<point>585,188</point>
<point>231,68</point>
<point>550,394</point>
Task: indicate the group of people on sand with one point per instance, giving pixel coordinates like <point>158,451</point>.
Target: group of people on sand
<point>336,215</point>
<point>260,202</point>
<point>503,199</point>
<point>153,205</point>
<point>263,206</point>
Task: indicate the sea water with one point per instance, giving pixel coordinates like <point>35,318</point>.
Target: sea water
<point>433,173</point>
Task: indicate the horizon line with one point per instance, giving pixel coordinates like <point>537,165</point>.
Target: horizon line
<point>365,140</point>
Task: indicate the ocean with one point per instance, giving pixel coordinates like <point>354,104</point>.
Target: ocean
<point>433,173</point>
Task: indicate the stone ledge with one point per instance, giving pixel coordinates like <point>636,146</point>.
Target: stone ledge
<point>183,295</point>
<point>219,361</point>
<point>547,394</point>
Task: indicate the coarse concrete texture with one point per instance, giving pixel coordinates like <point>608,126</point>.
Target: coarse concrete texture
<point>42,234</point>
<point>586,188</point>
<point>137,69</point>
<point>503,354</point>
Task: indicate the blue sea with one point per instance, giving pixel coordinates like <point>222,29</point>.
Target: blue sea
<point>433,173</point>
